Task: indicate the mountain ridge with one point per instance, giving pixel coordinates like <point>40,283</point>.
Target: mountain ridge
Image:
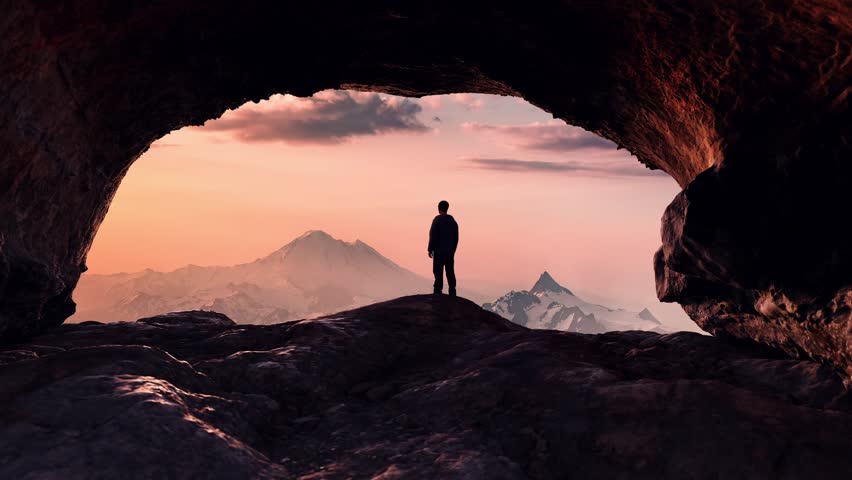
<point>310,275</point>
<point>549,305</point>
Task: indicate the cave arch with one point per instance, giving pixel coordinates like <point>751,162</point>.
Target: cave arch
<point>212,196</point>
<point>745,104</point>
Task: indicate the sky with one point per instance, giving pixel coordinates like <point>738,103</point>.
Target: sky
<point>530,193</point>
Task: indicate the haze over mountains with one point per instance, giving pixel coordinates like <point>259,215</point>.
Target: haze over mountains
<point>312,275</point>
<point>549,305</point>
<point>317,274</point>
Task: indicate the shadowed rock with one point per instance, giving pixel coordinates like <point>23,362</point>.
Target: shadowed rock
<point>192,318</point>
<point>418,387</point>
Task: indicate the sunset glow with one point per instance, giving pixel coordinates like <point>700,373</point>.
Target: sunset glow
<point>530,193</point>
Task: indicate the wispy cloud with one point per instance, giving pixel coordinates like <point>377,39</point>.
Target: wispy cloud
<point>553,136</point>
<point>588,154</point>
<point>328,117</point>
<point>592,168</point>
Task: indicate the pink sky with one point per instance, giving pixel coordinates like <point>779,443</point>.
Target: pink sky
<point>529,192</point>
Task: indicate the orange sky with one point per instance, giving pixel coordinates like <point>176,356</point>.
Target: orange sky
<point>530,193</point>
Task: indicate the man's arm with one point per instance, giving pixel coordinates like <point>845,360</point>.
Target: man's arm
<point>432,232</point>
<point>455,235</point>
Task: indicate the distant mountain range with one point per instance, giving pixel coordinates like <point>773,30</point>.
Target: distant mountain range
<point>549,305</point>
<point>312,275</point>
<point>317,274</point>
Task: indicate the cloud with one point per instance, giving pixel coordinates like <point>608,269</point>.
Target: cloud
<point>328,117</point>
<point>588,154</point>
<point>554,136</point>
<point>430,102</point>
<point>594,168</point>
<point>469,101</point>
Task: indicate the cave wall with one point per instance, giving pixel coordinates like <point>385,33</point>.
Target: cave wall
<point>744,103</point>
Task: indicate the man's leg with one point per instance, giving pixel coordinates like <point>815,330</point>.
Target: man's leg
<point>438,270</point>
<point>451,274</point>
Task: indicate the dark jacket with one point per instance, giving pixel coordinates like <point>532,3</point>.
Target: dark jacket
<point>444,236</point>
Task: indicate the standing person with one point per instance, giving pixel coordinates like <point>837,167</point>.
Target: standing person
<point>443,240</point>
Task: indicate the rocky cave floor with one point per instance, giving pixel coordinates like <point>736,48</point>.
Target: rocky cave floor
<point>417,387</point>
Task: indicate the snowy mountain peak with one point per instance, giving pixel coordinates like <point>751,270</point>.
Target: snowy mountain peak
<point>549,305</point>
<point>321,233</point>
<point>313,236</point>
<point>312,242</point>
<point>316,247</point>
<point>311,275</point>
<point>546,283</point>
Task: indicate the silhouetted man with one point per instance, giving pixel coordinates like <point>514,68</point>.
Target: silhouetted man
<point>443,240</point>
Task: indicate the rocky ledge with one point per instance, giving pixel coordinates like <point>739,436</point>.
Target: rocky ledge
<point>418,387</point>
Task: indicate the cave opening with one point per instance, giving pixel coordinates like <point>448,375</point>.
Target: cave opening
<point>206,218</point>
<point>744,104</point>
<point>752,123</point>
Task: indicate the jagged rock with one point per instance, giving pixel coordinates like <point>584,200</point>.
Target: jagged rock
<point>193,318</point>
<point>546,283</point>
<point>457,392</point>
<point>550,305</point>
<point>734,275</point>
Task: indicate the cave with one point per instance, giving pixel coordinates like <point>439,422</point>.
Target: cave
<point>744,104</point>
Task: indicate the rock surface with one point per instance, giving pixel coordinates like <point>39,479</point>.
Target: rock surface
<point>418,387</point>
<point>753,94</point>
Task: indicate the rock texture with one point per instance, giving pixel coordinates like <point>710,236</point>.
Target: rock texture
<point>745,103</point>
<point>418,387</point>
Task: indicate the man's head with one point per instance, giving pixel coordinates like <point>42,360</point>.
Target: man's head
<point>443,206</point>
